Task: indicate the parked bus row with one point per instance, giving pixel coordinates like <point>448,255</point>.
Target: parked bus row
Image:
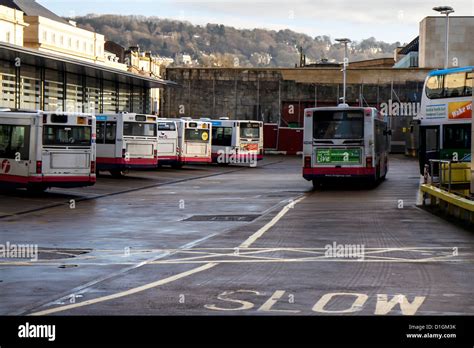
<point>39,150</point>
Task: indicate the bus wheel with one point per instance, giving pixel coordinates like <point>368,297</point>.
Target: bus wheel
<point>117,173</point>
<point>316,184</point>
<point>36,189</point>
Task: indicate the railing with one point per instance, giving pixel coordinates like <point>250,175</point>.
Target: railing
<point>453,176</point>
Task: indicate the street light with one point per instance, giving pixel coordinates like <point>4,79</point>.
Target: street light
<point>446,10</point>
<point>344,41</point>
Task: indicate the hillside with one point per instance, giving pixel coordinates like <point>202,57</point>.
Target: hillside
<point>219,45</point>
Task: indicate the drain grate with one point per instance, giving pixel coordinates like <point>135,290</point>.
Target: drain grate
<point>223,218</point>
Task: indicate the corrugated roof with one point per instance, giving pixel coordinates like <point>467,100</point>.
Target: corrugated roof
<point>32,8</point>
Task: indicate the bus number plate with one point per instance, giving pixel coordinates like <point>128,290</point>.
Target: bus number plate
<point>338,156</point>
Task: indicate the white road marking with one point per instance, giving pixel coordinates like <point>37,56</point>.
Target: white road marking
<point>253,238</point>
<point>207,266</point>
<point>127,292</point>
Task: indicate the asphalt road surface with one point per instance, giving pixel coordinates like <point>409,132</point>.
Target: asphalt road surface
<point>212,240</point>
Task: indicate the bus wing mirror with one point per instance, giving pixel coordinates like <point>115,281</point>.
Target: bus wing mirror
<point>387,132</point>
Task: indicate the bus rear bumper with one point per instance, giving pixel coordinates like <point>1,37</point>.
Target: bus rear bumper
<point>327,173</point>
<point>104,163</point>
<point>195,160</point>
<point>240,158</point>
<point>64,181</point>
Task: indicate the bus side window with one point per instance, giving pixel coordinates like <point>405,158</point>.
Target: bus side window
<point>454,85</point>
<point>434,87</point>
<point>227,139</point>
<point>110,132</point>
<point>13,140</point>
<point>100,132</point>
<point>217,136</point>
<point>468,91</point>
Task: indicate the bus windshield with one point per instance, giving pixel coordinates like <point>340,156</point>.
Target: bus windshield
<point>67,135</point>
<point>338,125</point>
<point>139,129</point>
<point>196,135</point>
<point>251,130</point>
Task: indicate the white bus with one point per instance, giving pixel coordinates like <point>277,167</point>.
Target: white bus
<point>237,142</point>
<point>167,142</point>
<point>446,115</point>
<point>194,141</point>
<point>40,150</point>
<point>126,141</point>
<point>345,142</point>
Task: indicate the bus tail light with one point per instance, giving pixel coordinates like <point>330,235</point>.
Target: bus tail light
<point>369,162</point>
<point>93,167</point>
<point>368,112</point>
<point>307,161</point>
<point>155,153</point>
<point>39,167</point>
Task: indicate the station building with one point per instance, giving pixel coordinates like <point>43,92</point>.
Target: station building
<point>48,63</point>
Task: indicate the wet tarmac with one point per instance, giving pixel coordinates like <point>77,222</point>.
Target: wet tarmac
<point>212,240</point>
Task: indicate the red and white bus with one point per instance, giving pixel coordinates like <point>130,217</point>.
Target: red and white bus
<point>167,142</point>
<point>40,150</point>
<point>126,141</point>
<point>345,142</point>
<point>237,141</point>
<point>194,141</point>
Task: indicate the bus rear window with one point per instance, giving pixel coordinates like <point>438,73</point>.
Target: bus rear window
<point>166,126</point>
<point>338,125</point>
<point>249,130</point>
<point>66,136</point>
<point>139,129</point>
<point>197,135</point>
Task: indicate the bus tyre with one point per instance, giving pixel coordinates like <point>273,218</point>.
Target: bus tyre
<point>316,184</point>
<point>36,189</point>
<point>117,173</point>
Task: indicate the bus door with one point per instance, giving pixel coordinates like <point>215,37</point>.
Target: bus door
<point>429,145</point>
<point>67,145</point>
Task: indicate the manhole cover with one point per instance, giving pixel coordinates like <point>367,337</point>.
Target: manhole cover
<point>220,218</point>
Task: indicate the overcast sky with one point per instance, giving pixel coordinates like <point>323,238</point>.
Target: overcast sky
<point>387,20</point>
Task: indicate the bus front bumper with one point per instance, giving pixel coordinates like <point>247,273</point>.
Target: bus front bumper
<point>347,172</point>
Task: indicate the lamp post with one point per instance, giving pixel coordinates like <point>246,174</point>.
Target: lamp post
<point>344,41</point>
<point>446,10</point>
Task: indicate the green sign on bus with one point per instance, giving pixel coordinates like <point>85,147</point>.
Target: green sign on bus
<point>338,156</point>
